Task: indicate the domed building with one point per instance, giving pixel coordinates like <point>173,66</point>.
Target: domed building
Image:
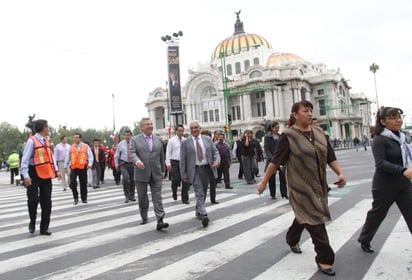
<point>247,80</point>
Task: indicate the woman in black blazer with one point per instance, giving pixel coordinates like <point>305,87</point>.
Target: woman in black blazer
<point>393,173</point>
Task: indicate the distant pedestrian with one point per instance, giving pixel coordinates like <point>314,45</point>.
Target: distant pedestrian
<point>13,162</point>
<point>356,142</point>
<point>270,145</point>
<point>213,180</point>
<point>124,162</point>
<point>225,161</point>
<point>79,160</point>
<point>393,173</point>
<point>248,152</point>
<point>38,168</point>
<point>173,164</point>
<point>98,165</point>
<point>60,152</point>
<point>237,154</point>
<point>112,165</point>
<point>199,159</point>
<point>365,142</point>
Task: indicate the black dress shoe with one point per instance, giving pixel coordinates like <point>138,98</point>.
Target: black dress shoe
<point>133,199</point>
<point>32,228</point>
<point>45,232</point>
<point>285,196</point>
<point>174,196</point>
<point>205,221</point>
<point>126,200</point>
<point>273,197</point>
<point>366,247</point>
<point>229,187</point>
<point>327,271</point>
<point>143,222</point>
<point>214,202</point>
<point>186,202</point>
<point>296,249</point>
<point>76,201</point>
<point>161,225</point>
<point>84,201</point>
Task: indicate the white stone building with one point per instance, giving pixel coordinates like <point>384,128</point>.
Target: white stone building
<point>262,85</point>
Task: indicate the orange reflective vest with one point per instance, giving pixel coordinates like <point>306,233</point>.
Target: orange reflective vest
<point>43,159</point>
<point>79,158</point>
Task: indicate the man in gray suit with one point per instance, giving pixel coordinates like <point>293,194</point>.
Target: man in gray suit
<point>147,155</point>
<point>199,159</point>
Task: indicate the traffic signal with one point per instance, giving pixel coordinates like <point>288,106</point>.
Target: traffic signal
<point>229,118</point>
<point>227,128</point>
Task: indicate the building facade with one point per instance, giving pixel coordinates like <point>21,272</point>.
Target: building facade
<point>252,83</point>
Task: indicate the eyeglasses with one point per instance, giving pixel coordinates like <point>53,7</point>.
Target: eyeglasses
<point>194,127</point>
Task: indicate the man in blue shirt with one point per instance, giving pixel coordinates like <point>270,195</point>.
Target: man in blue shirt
<point>38,168</point>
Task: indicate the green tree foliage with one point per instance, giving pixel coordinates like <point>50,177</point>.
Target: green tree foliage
<point>11,139</point>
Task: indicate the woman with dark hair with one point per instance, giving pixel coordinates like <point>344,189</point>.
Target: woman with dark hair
<point>306,151</point>
<point>270,145</point>
<point>393,173</point>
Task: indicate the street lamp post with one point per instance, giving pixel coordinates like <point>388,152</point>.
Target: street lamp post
<point>175,106</point>
<point>226,95</point>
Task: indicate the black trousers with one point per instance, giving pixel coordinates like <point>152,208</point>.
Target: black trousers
<point>102,169</point>
<point>82,174</point>
<point>282,181</point>
<point>116,175</point>
<point>382,201</point>
<point>240,174</point>
<point>176,180</point>
<point>39,191</point>
<point>13,172</point>
<point>223,169</point>
<point>324,252</point>
<point>129,188</point>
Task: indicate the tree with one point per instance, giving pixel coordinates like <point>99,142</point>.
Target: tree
<point>11,139</point>
<point>373,68</point>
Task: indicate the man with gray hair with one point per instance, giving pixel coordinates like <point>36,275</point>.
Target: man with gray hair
<point>199,159</point>
<point>146,151</point>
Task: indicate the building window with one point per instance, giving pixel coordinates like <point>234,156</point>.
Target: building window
<point>220,69</point>
<point>263,109</point>
<point>211,116</point>
<point>342,106</point>
<point>247,65</point>
<point>238,112</point>
<point>229,70</point>
<point>321,91</point>
<point>205,118</point>
<point>322,107</point>
<point>234,113</point>
<point>258,109</point>
<point>256,61</point>
<point>217,118</point>
<point>237,68</point>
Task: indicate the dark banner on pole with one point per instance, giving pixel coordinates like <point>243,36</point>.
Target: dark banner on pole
<point>175,94</point>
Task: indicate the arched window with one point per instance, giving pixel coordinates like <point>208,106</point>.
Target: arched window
<point>229,70</point>
<point>303,93</point>
<point>237,68</point>
<point>255,74</point>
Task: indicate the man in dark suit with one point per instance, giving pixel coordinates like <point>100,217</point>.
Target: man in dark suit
<point>199,159</point>
<point>147,155</point>
<point>270,145</point>
<point>98,158</point>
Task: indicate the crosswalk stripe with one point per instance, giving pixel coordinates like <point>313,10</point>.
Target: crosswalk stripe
<point>211,258</point>
<point>52,253</point>
<point>397,244</point>
<point>346,225</point>
<point>10,246</point>
<point>113,261</point>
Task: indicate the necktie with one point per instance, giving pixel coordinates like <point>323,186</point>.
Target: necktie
<point>199,151</point>
<point>129,159</point>
<point>96,153</point>
<point>149,142</point>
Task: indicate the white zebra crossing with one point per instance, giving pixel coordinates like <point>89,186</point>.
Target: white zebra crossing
<point>109,220</point>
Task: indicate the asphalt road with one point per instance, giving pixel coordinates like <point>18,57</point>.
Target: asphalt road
<point>245,238</point>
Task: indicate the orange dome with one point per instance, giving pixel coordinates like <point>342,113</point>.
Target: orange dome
<point>278,59</point>
<point>239,43</point>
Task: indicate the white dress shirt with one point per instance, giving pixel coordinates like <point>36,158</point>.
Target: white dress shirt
<point>173,149</point>
<point>204,161</point>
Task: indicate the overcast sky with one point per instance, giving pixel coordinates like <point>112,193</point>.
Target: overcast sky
<point>63,60</point>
